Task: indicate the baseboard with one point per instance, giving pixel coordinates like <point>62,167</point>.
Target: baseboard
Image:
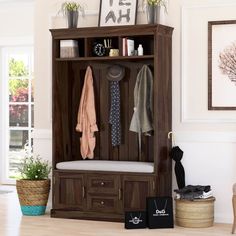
<point>223,219</point>
<point>70,214</point>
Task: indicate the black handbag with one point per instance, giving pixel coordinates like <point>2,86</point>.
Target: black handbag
<point>135,219</point>
<point>160,212</point>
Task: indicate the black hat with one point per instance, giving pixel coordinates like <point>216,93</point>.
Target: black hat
<point>115,73</point>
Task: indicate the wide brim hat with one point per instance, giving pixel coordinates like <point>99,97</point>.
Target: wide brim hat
<point>115,73</point>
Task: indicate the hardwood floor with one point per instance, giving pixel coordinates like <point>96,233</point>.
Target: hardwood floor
<point>12,223</point>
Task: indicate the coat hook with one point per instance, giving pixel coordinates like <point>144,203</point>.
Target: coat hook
<point>171,134</point>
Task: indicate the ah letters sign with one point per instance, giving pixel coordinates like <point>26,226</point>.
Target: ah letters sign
<point>117,12</point>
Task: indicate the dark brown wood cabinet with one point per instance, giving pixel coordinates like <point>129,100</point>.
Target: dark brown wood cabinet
<point>105,195</point>
<point>69,191</point>
<point>135,191</point>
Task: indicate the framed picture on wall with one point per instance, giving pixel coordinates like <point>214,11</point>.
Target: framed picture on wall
<point>222,65</point>
<point>117,12</point>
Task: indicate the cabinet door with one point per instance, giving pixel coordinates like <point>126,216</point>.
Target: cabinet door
<point>69,192</point>
<point>135,191</point>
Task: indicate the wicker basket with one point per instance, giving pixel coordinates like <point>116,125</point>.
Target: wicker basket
<point>195,214</point>
<point>33,196</point>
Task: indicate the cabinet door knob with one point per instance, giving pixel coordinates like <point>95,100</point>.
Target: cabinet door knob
<point>102,202</point>
<point>102,183</point>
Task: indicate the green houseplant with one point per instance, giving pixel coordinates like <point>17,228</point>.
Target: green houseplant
<point>157,2</point>
<point>71,10</point>
<point>34,186</point>
<point>153,10</point>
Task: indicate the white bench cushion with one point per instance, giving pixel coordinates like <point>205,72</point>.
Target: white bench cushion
<point>101,165</point>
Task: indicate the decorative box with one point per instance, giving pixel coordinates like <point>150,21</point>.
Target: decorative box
<point>135,220</point>
<point>69,48</point>
<point>160,212</point>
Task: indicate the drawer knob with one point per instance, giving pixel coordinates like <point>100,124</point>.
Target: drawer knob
<point>102,202</point>
<point>102,183</point>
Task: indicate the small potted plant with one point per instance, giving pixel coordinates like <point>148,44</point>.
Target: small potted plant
<point>71,10</point>
<point>153,10</point>
<point>33,189</point>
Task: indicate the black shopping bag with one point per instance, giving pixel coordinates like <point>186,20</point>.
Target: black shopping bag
<point>160,212</point>
<point>135,219</point>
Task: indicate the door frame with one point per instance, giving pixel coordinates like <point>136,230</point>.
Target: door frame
<point>14,42</point>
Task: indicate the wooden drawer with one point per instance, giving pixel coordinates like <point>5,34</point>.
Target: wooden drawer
<point>103,184</point>
<point>102,203</point>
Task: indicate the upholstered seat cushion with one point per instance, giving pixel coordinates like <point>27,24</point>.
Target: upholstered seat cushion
<point>102,165</point>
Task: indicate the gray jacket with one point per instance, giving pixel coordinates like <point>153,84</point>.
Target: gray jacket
<point>142,120</point>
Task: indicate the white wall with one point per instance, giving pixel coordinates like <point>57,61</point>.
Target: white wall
<point>16,29</point>
<point>208,138</point>
<point>16,19</point>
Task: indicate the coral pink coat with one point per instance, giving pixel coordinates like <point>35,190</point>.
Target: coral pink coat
<point>87,117</point>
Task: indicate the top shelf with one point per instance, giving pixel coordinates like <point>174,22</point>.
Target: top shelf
<point>109,31</point>
<point>106,58</point>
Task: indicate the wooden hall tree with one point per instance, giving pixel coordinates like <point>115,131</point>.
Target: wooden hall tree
<point>105,195</point>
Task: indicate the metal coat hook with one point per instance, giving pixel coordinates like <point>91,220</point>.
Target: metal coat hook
<point>172,137</point>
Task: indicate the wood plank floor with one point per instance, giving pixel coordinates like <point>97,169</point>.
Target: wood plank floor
<point>12,223</point>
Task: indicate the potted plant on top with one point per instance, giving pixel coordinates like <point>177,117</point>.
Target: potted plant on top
<point>71,10</point>
<point>153,10</point>
<point>33,189</point>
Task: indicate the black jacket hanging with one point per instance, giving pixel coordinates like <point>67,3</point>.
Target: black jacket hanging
<point>176,154</point>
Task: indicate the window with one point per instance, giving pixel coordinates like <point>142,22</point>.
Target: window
<point>18,107</point>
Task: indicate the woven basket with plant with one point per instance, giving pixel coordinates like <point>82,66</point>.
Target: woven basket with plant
<point>33,189</point>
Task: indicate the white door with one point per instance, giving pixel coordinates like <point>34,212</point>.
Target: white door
<point>17,110</point>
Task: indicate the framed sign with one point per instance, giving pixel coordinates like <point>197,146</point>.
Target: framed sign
<point>117,12</point>
<point>222,65</point>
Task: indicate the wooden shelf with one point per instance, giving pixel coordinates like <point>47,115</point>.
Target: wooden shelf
<point>106,58</point>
